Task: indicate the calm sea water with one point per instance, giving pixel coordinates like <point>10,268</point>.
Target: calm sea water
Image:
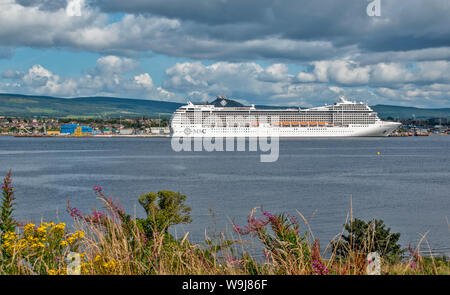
<point>408,185</point>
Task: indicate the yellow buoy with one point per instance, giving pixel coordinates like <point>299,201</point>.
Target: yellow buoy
<point>378,153</point>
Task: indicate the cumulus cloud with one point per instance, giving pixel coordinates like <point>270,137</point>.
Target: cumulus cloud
<point>434,95</point>
<point>234,30</point>
<point>350,73</point>
<point>401,26</point>
<point>248,81</point>
<point>108,78</point>
<point>403,55</point>
<point>423,84</point>
<point>110,65</point>
<point>379,83</point>
<point>136,34</point>
<point>224,78</point>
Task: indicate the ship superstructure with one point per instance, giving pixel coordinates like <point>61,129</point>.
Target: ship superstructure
<point>344,118</point>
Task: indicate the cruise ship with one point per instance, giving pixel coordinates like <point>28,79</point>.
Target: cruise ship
<point>227,118</point>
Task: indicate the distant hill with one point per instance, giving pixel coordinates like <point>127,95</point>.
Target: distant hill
<point>397,112</point>
<point>29,105</point>
<point>18,105</point>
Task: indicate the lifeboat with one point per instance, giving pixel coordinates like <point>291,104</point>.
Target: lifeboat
<point>255,123</point>
<point>294,123</point>
<point>322,123</point>
<point>312,123</point>
<point>286,123</point>
<point>276,123</point>
<point>303,123</point>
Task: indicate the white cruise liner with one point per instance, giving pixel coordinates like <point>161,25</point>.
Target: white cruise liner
<point>342,119</point>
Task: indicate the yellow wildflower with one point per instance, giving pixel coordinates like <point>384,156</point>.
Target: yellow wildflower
<point>29,226</point>
<point>97,258</point>
<point>110,264</point>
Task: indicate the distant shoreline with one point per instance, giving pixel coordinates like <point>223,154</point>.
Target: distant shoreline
<point>89,136</point>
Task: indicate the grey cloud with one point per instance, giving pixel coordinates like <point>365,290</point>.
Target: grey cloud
<point>439,53</point>
<point>400,54</point>
<point>414,24</point>
<point>234,30</point>
<point>203,11</point>
<point>50,5</point>
<point>12,74</point>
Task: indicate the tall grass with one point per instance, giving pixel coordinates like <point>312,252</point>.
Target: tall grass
<point>111,242</point>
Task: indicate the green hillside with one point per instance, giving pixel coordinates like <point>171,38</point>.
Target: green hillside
<point>397,112</point>
<point>28,106</point>
<point>17,105</point>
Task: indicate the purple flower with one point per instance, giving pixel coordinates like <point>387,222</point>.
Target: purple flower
<point>231,259</point>
<point>318,267</point>
<point>75,212</point>
<point>267,214</point>
<point>97,215</point>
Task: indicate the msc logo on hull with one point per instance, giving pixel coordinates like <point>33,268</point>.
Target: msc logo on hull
<point>189,131</point>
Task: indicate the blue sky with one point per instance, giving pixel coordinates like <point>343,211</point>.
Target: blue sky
<point>288,52</point>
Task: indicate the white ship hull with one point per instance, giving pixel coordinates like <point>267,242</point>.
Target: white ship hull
<point>343,119</point>
<point>374,130</point>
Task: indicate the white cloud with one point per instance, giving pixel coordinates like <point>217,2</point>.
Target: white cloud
<point>224,78</point>
<point>345,72</point>
<point>435,95</point>
<point>145,80</point>
<point>420,84</point>
<point>287,31</point>
<point>110,65</point>
<point>108,78</point>
<point>39,76</point>
<point>380,83</point>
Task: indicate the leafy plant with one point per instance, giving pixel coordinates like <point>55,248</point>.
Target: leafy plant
<point>365,237</point>
<point>163,209</point>
<point>282,241</point>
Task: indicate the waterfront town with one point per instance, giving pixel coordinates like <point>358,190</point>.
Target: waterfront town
<point>12,126</point>
<point>83,127</point>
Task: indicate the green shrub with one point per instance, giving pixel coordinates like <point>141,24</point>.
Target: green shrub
<point>163,209</point>
<point>365,237</point>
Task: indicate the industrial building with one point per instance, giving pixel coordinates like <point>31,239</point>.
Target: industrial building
<point>74,129</point>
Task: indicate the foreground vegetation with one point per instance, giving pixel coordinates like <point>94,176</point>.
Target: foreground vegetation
<point>112,242</point>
